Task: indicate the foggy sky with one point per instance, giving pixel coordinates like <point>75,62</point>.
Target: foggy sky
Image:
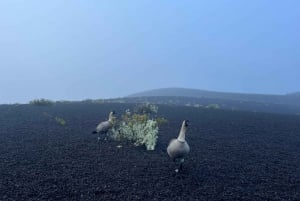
<point>74,50</point>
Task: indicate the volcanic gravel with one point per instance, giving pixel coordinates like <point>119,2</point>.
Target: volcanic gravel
<point>234,156</point>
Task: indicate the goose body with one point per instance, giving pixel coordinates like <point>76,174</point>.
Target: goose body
<point>104,126</point>
<point>178,148</point>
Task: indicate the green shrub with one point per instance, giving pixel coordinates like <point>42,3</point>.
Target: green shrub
<point>161,121</point>
<point>41,102</point>
<point>58,120</point>
<point>146,108</point>
<point>213,106</point>
<point>139,128</point>
<point>61,121</point>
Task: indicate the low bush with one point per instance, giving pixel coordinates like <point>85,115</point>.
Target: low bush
<point>41,102</point>
<point>140,127</point>
<point>60,121</point>
<point>213,106</point>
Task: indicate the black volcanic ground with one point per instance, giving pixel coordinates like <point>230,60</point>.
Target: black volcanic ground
<point>234,156</point>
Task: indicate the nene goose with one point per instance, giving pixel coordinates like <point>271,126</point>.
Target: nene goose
<point>179,148</point>
<point>103,127</point>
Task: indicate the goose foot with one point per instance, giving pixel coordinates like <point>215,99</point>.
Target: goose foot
<point>180,166</point>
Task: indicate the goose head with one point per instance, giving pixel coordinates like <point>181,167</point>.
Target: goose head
<point>185,124</point>
<point>111,116</point>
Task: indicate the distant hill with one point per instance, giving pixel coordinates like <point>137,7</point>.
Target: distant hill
<point>292,99</point>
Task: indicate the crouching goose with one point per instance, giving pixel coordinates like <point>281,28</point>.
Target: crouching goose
<point>103,127</point>
<point>179,148</point>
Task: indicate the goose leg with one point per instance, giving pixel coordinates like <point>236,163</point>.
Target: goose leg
<point>174,160</point>
<point>180,165</point>
<point>105,136</point>
<point>177,170</point>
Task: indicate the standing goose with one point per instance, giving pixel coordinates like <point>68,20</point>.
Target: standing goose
<point>179,148</point>
<point>104,126</point>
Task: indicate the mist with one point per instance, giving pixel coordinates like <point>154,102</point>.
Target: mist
<point>75,50</point>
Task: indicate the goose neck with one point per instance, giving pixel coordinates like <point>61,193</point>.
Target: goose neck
<point>181,136</point>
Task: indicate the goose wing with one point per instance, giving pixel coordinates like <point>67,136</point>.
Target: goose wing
<point>103,126</point>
